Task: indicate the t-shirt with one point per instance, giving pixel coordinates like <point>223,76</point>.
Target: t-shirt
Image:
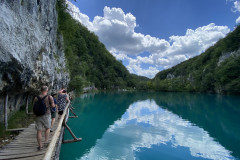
<point>48,100</point>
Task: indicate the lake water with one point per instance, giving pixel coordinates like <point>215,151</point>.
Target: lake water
<point>154,126</point>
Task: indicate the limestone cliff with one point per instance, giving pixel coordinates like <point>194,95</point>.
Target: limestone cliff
<point>31,50</point>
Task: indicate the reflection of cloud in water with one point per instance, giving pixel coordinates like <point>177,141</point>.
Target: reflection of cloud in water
<point>146,124</point>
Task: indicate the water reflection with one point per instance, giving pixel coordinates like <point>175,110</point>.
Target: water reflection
<point>216,114</point>
<point>146,127</point>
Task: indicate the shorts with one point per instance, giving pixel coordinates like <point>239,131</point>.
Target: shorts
<point>43,122</point>
<point>53,114</point>
<point>60,112</point>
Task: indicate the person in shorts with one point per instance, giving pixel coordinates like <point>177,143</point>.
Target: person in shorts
<point>53,112</point>
<point>44,121</point>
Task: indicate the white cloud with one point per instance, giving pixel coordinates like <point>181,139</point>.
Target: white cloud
<point>136,68</point>
<point>238,20</point>
<point>82,18</point>
<point>236,6</point>
<point>116,30</point>
<point>237,9</point>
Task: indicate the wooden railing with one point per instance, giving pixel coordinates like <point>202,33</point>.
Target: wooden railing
<point>54,147</point>
<point>51,147</point>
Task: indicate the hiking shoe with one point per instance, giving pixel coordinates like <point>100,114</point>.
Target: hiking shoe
<point>51,130</point>
<point>39,148</point>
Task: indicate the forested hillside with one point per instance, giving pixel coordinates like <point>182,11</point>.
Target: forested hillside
<point>88,61</point>
<point>217,70</point>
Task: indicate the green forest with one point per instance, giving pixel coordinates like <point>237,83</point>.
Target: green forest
<point>206,73</point>
<point>90,63</point>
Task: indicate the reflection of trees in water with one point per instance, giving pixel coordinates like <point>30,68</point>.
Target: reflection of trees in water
<point>219,115</point>
<point>98,111</point>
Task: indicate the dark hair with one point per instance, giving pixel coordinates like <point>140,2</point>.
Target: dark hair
<point>53,94</point>
<point>64,91</point>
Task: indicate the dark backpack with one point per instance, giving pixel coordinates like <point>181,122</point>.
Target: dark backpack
<point>40,107</point>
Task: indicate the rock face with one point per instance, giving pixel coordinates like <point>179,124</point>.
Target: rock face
<point>31,50</point>
<point>227,55</point>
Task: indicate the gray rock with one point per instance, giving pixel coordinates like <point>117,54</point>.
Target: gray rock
<point>170,76</point>
<point>31,50</point>
<point>227,55</point>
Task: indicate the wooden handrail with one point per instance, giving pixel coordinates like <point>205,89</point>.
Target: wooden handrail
<point>56,135</point>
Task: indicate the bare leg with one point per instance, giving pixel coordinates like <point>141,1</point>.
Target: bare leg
<point>52,123</point>
<point>39,138</point>
<point>47,135</point>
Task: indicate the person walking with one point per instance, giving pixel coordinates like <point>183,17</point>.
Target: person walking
<point>62,101</point>
<point>41,109</point>
<point>53,112</point>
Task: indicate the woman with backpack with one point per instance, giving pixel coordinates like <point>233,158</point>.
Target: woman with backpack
<point>62,101</point>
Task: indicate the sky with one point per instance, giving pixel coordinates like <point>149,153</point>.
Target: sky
<point>152,35</point>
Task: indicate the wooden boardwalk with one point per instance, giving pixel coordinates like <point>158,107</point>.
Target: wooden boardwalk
<point>25,145</point>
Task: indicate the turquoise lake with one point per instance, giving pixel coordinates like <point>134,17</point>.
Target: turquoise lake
<point>154,126</point>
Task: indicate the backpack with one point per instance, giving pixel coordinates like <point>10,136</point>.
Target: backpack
<point>40,107</point>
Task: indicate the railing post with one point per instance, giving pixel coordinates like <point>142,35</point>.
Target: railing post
<point>5,112</point>
<point>27,104</point>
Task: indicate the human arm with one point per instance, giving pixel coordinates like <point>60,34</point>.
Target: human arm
<point>67,98</point>
<point>51,102</point>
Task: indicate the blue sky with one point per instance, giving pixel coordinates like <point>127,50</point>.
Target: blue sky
<point>164,18</point>
<point>151,35</point>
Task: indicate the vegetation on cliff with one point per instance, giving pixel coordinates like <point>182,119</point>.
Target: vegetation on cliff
<point>217,70</point>
<point>88,61</point>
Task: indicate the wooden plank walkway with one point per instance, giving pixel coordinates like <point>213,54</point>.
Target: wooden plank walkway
<point>25,145</point>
